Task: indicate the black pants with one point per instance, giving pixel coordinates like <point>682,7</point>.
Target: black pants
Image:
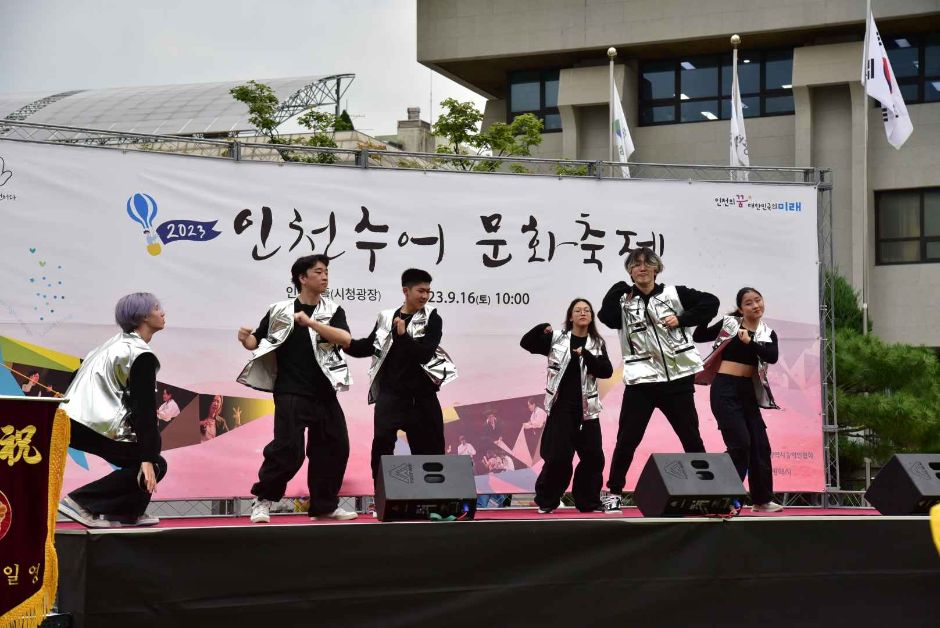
<point>327,450</point>
<point>639,401</point>
<point>118,495</point>
<point>735,407</point>
<point>419,416</point>
<point>566,434</point>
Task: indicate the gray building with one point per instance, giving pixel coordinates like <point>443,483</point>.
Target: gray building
<point>799,69</point>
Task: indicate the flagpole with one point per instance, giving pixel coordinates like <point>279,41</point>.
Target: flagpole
<point>611,54</point>
<point>865,185</point>
<point>735,42</point>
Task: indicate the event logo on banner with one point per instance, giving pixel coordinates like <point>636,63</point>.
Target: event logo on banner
<point>33,438</point>
<point>142,209</point>
<point>506,252</point>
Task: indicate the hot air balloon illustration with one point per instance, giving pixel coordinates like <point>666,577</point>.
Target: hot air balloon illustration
<point>142,209</point>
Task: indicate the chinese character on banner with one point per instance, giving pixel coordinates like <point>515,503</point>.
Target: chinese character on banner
<point>533,227</point>
<point>404,239</point>
<point>17,444</point>
<point>295,225</point>
<point>657,245</point>
<point>591,247</point>
<point>491,225</point>
<point>365,245</point>
<point>34,438</point>
<point>243,221</point>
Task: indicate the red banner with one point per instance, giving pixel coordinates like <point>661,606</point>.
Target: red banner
<point>34,437</point>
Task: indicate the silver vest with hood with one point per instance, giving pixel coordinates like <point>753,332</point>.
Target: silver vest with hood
<point>261,370</point>
<point>558,358</point>
<point>440,368</point>
<point>98,397</point>
<point>651,351</point>
<point>729,329</point>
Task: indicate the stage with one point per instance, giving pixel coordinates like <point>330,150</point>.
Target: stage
<point>509,567</point>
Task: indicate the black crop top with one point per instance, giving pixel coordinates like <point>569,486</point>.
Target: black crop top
<point>737,351</point>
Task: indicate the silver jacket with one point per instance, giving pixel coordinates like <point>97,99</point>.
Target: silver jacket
<point>440,368</point>
<point>261,370</point>
<point>558,358</point>
<point>729,329</point>
<point>651,351</point>
<point>98,397</point>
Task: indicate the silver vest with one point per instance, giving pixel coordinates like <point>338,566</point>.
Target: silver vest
<point>651,351</point>
<point>261,370</point>
<point>98,396</point>
<point>729,329</point>
<point>440,368</point>
<point>558,358</point>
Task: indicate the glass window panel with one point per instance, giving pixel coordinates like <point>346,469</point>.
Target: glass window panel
<point>551,93</point>
<point>552,121</point>
<point>778,104</point>
<point>778,70</point>
<point>931,90</point>
<point>748,75</point>
<point>658,80</point>
<point>698,77</point>
<point>908,92</point>
<point>932,55</point>
<point>653,115</point>
<point>932,213</point>
<point>933,251</point>
<point>750,104</point>
<point>697,111</point>
<point>899,215</point>
<point>904,61</point>
<point>525,96</point>
<point>894,252</point>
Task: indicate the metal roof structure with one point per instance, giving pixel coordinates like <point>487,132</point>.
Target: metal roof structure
<point>197,109</point>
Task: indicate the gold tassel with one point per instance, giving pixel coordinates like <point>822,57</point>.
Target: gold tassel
<point>32,611</point>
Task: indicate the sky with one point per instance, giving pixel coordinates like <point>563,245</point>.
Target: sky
<point>53,46</point>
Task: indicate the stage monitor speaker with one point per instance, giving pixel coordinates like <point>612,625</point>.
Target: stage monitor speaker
<point>908,485</point>
<point>687,484</point>
<point>425,487</point>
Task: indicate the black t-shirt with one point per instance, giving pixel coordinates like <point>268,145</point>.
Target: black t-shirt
<point>142,381</point>
<point>298,372</point>
<point>737,351</point>
<point>537,341</point>
<point>401,372</point>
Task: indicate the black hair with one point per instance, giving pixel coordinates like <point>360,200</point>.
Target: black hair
<point>305,263</point>
<point>740,298</point>
<point>413,276</point>
<point>592,326</point>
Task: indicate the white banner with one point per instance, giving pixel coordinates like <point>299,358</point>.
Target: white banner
<point>214,240</point>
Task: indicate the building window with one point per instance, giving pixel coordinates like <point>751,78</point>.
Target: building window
<point>915,60</point>
<point>535,92</point>
<point>908,226</point>
<point>697,89</point>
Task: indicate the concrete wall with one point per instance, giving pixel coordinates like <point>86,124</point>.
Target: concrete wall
<point>465,29</point>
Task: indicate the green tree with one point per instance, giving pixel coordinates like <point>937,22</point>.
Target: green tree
<point>459,124</point>
<point>344,122</point>
<point>887,395</point>
<point>262,105</point>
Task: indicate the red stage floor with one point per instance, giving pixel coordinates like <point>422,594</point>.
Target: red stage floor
<point>496,514</point>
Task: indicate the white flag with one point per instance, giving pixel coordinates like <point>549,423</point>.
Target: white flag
<point>878,79</point>
<point>739,156</point>
<point>621,132</point>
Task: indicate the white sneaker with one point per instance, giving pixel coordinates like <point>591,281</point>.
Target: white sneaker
<point>768,507</point>
<point>141,521</point>
<point>261,511</point>
<point>612,503</point>
<point>339,514</point>
<point>76,512</point>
